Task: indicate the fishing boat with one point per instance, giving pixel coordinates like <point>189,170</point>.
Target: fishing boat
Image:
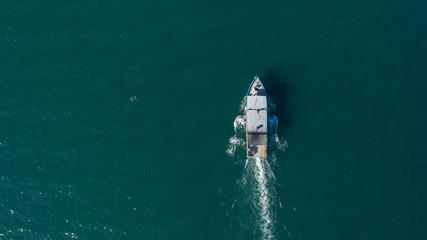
<point>256,120</point>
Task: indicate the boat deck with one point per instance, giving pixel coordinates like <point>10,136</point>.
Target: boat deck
<point>256,120</point>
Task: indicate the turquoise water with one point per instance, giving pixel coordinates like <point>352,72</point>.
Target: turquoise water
<point>115,119</point>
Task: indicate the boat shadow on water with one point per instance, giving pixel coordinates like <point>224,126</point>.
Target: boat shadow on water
<point>277,89</point>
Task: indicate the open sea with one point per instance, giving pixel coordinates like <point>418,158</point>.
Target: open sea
<point>124,120</point>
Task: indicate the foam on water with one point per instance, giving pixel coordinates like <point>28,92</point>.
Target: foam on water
<point>239,123</point>
<point>236,140</point>
<point>259,198</point>
<point>264,176</point>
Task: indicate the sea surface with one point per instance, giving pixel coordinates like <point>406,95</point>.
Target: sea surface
<point>123,119</point>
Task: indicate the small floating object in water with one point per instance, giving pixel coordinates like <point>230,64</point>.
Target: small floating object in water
<point>133,99</point>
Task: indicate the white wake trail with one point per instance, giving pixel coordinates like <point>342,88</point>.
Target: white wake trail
<point>261,196</point>
<point>265,200</point>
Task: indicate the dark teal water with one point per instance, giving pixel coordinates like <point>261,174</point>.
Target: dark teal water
<point>115,118</point>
